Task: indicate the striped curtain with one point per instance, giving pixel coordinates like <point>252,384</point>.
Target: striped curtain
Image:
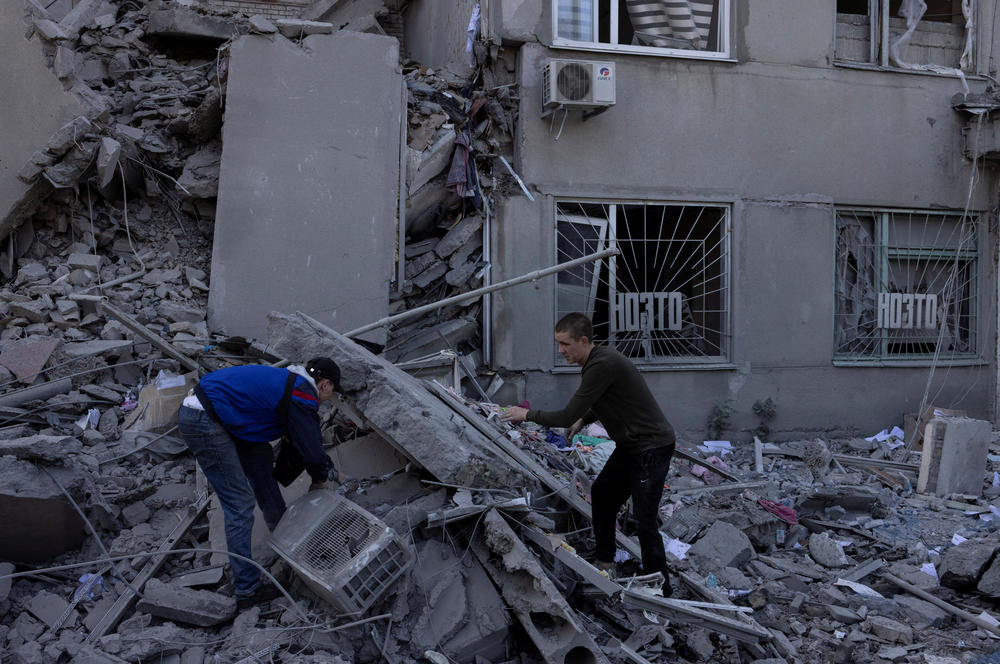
<point>575,20</point>
<point>671,23</point>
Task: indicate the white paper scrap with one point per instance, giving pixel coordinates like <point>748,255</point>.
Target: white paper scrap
<point>676,548</point>
<point>929,569</point>
<point>859,588</point>
<point>720,447</point>
<point>957,539</point>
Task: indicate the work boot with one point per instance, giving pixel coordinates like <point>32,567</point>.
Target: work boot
<point>265,593</point>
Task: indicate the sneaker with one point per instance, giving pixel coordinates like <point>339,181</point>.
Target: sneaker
<point>265,593</point>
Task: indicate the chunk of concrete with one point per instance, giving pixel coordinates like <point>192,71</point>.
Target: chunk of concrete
<point>49,30</point>
<point>52,449</point>
<point>27,357</point>
<point>890,630</point>
<point>193,607</point>
<point>90,262</point>
<point>295,28</point>
<point>36,311</point>
<point>180,23</point>
<point>111,347</point>
<point>300,217</point>
<point>401,409</point>
<point>422,166</point>
<point>107,160</point>
<point>262,25</point>
<point>543,612</point>
<point>458,235</point>
<point>724,544</point>
<point>989,583</point>
<point>200,177</point>
<point>963,565</point>
<point>49,608</point>
<point>922,613</point>
<point>827,551</point>
<point>954,456</point>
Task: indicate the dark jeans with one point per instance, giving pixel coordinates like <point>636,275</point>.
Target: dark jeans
<point>237,472</point>
<point>640,477</point>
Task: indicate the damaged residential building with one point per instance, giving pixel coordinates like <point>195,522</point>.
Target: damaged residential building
<point>784,213</point>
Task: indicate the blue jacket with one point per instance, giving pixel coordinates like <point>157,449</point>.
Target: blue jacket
<point>245,399</point>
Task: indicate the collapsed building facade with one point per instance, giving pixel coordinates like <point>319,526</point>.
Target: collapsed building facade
<point>778,220</point>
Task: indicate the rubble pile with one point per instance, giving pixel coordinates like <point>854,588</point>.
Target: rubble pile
<point>456,130</point>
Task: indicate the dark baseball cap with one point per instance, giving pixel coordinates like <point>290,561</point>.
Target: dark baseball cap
<point>324,367</point>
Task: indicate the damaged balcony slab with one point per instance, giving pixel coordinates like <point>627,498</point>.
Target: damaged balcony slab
<point>401,409</point>
<point>305,183</point>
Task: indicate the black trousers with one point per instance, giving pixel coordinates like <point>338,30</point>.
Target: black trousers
<point>641,477</point>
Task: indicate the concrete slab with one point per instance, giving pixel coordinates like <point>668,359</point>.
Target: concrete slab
<point>309,180</point>
<point>35,107</point>
<point>177,22</point>
<point>38,522</point>
<point>402,410</point>
<point>27,357</point>
<point>954,456</point>
<point>194,607</point>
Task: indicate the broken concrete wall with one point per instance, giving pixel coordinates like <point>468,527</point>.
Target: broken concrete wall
<point>309,179</point>
<point>269,8</point>
<point>436,34</point>
<point>35,106</point>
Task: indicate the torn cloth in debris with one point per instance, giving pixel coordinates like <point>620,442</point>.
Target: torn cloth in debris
<point>783,512</point>
<point>463,178</point>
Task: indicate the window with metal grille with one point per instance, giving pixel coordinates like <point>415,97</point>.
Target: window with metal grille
<point>670,27</point>
<point>664,299</point>
<point>906,285</point>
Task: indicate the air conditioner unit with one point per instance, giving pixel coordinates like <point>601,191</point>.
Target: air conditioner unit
<point>577,84</point>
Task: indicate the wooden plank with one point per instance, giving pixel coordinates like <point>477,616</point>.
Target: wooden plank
<point>691,615</point>
<point>851,460</point>
<point>793,567</point>
<point>568,556</point>
<point>863,570</point>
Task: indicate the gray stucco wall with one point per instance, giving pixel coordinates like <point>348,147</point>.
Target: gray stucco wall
<point>784,137</point>
<point>34,103</point>
<point>308,187</point>
<point>436,34</point>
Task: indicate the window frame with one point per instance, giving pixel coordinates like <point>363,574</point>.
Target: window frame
<point>725,36</point>
<point>607,238</point>
<point>879,44</point>
<point>884,254</point>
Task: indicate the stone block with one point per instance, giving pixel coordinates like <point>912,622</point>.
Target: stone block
<point>422,166</point>
<point>112,348</point>
<point>890,630</point>
<point>843,615</point>
<point>49,608</point>
<point>295,28</point>
<point>49,30</point>
<point>35,311</point>
<point>458,235</point>
<point>989,583</point>
<point>90,262</point>
<point>918,612</point>
<point>194,607</point>
<point>962,566</point>
<point>826,551</point>
<point>27,357</point>
<point>52,449</point>
<point>954,456</point>
<point>723,543</point>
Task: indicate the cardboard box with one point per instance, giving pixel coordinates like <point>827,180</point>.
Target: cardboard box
<point>913,431</point>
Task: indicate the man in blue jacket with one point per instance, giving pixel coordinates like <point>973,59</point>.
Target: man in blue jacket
<point>228,422</point>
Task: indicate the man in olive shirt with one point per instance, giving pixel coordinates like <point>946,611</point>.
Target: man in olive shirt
<point>612,391</point>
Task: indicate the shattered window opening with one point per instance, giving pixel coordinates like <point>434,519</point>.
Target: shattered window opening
<point>665,297</point>
<point>667,27</point>
<point>906,285</point>
<point>935,36</point>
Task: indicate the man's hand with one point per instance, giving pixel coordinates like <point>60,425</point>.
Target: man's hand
<point>573,430</point>
<point>349,483</point>
<point>514,414</point>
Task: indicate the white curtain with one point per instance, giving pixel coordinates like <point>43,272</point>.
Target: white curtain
<point>575,20</point>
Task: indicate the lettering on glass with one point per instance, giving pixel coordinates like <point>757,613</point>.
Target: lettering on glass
<point>907,310</point>
<point>648,311</point>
